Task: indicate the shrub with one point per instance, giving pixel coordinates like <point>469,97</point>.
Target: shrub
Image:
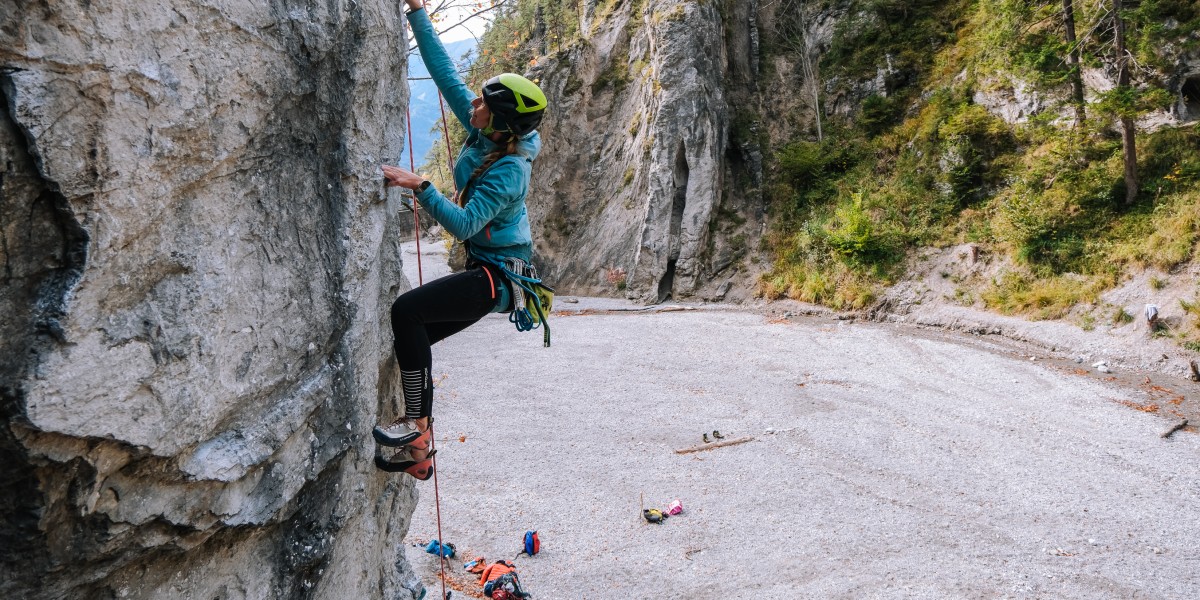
<point>878,113</point>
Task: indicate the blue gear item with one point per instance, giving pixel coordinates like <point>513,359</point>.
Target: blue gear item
<point>435,547</point>
<point>533,545</point>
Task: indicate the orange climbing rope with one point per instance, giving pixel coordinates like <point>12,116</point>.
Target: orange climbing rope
<point>437,501</point>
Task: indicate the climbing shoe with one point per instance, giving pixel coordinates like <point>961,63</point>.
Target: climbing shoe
<point>402,432</point>
<point>419,469</point>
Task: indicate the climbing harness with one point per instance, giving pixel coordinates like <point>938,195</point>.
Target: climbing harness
<point>532,299</point>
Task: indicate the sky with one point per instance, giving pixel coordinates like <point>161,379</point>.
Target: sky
<point>474,26</point>
<point>423,106</point>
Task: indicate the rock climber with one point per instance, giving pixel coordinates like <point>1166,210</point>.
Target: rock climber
<point>492,173</point>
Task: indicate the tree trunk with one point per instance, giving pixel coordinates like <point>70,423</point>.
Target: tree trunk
<point>813,80</point>
<point>1073,64</point>
<point>1128,139</point>
<point>810,57</point>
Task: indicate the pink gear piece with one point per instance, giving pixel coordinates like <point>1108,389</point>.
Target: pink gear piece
<point>674,508</point>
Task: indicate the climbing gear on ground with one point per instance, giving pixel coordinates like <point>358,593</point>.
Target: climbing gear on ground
<point>500,582</point>
<point>653,515</point>
<point>705,436</point>
<point>717,434</point>
<point>674,508</point>
<point>437,548</point>
<point>476,566</point>
<point>401,433</point>
<point>517,104</point>
<point>421,470</point>
<point>495,571</point>
<point>533,544</point>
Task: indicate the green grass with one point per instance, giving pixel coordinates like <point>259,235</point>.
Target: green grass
<point>925,166</point>
<point>1121,317</point>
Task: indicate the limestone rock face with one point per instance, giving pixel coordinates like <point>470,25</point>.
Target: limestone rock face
<point>635,178</point>
<point>198,259</point>
<point>651,180</point>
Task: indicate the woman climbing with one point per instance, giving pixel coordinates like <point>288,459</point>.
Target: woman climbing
<point>492,175</point>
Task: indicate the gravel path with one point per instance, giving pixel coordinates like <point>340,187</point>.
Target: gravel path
<point>886,463</point>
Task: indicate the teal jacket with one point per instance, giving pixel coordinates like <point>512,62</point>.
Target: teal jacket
<point>494,221</point>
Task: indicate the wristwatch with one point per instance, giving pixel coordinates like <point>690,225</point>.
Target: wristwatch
<point>423,186</point>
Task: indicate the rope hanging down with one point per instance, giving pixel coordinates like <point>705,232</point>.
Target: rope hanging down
<point>437,500</point>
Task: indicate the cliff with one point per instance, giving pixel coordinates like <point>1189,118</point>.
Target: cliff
<point>198,259</point>
<point>716,150</point>
<point>639,133</point>
<point>663,118</point>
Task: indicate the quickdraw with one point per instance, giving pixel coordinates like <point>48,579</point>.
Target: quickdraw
<point>530,308</point>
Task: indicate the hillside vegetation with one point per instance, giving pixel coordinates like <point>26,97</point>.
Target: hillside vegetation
<point>937,154</point>
<point>927,165</point>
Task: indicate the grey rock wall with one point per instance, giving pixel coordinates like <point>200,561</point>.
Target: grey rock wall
<point>629,194</point>
<point>651,181</point>
<point>198,260</point>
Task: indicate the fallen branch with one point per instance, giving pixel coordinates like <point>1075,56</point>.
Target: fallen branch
<point>1180,425</point>
<point>733,442</point>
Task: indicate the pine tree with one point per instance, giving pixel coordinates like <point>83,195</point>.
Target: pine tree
<point>1128,131</point>
<point>1075,75</point>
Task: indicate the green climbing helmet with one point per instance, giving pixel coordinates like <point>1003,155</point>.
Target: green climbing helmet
<point>517,104</point>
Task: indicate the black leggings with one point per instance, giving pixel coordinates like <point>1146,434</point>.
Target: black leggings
<point>428,314</point>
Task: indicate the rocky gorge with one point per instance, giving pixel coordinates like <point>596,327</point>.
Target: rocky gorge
<point>669,118</point>
<point>198,256</point>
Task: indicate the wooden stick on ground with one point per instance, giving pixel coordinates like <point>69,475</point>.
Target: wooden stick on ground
<point>1180,425</point>
<point>733,442</point>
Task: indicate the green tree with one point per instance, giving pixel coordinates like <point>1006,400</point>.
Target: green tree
<point>1075,75</point>
<point>1128,128</point>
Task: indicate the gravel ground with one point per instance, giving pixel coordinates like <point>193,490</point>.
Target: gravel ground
<point>887,462</point>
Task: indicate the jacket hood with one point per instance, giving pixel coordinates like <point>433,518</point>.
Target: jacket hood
<point>530,145</point>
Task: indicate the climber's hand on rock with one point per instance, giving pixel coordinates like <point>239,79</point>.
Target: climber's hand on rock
<point>414,4</point>
<point>397,177</point>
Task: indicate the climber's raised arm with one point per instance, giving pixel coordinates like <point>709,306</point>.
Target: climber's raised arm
<point>437,61</point>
